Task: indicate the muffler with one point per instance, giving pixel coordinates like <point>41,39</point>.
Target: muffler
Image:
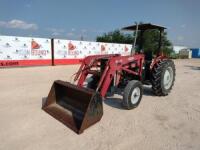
<point>76,107</point>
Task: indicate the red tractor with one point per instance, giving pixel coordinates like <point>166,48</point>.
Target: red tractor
<point>79,105</point>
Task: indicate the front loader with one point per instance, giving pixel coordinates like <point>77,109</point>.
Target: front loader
<point>79,105</point>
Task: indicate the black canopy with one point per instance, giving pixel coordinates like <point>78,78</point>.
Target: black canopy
<point>147,26</point>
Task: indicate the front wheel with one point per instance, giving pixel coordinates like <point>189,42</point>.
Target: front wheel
<point>132,94</point>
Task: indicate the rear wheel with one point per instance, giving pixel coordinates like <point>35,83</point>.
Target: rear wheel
<point>163,77</point>
<point>132,94</point>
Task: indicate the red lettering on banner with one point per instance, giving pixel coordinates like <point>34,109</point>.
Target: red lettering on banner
<point>9,63</point>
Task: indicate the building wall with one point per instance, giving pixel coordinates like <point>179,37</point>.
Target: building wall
<point>178,48</point>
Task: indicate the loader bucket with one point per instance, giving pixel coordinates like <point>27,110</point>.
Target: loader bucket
<point>76,107</point>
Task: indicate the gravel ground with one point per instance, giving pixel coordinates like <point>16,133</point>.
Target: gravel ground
<point>171,122</point>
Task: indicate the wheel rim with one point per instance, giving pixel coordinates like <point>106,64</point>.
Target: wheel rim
<point>168,77</point>
<point>135,95</point>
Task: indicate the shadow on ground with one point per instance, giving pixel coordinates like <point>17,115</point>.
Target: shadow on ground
<point>117,102</point>
<point>147,91</point>
<point>44,99</point>
<point>193,67</point>
<point>114,102</point>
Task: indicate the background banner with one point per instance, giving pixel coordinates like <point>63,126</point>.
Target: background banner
<point>71,51</point>
<point>30,51</point>
<point>24,51</point>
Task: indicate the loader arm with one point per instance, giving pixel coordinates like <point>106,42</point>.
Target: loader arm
<point>89,62</point>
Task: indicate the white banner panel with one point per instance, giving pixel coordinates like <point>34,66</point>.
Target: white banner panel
<point>24,50</point>
<point>113,48</point>
<point>73,50</point>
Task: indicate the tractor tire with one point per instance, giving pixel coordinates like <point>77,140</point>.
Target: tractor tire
<point>163,77</point>
<point>132,94</point>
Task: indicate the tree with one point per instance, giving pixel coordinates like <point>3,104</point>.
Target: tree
<point>150,40</point>
<point>115,37</point>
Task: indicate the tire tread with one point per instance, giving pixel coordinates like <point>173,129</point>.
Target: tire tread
<point>157,74</point>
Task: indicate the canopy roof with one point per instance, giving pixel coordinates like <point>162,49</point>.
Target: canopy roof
<point>147,26</point>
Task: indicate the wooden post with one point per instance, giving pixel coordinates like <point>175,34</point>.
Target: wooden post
<point>52,52</point>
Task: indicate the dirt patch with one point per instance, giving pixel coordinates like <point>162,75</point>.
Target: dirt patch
<point>171,122</point>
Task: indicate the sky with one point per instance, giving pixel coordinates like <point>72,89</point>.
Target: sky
<point>73,19</point>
